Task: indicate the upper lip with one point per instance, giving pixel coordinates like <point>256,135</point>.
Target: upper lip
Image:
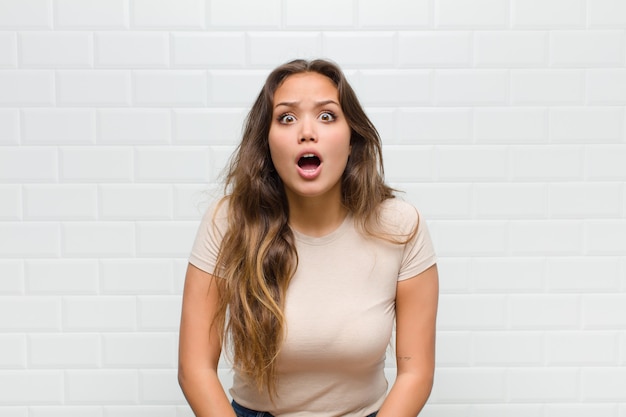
<point>308,152</point>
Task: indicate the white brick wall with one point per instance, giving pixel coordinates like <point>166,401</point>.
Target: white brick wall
<point>503,120</point>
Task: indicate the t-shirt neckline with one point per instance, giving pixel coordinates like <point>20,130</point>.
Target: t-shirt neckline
<point>327,238</point>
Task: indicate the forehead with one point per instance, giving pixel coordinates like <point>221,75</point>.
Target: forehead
<point>306,85</point>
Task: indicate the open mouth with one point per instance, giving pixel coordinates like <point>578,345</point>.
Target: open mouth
<point>309,162</point>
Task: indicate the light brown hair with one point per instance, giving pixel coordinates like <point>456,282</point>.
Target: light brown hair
<point>258,257</point>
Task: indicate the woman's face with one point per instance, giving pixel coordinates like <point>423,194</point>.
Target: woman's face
<point>309,137</point>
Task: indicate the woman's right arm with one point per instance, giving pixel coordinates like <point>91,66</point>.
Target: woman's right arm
<point>199,347</point>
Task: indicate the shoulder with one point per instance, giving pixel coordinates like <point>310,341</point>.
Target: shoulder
<point>216,211</point>
<point>215,218</point>
<point>398,216</point>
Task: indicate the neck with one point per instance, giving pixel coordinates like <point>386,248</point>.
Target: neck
<point>316,216</point>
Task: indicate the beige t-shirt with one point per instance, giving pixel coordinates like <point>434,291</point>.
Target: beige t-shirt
<point>340,310</point>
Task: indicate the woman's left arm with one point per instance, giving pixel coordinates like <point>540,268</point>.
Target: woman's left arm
<point>416,316</point>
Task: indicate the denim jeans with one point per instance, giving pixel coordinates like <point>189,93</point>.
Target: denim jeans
<point>242,411</point>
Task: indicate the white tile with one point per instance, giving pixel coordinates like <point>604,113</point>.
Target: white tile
<point>537,237</point>
<point>134,126</point>
<point>132,50</point>
<point>160,386</point>
<point>9,127</point>
<point>187,14</point>
<point>58,126</point>
<point>549,14</point>
<point>208,126</point>
<point>469,385</point>
<point>11,207</point>
<point>29,239</point>
<point>102,386</point>
<point>246,14</point>
<point>478,13</point>
<point>549,311</point>
<point>507,348</point>
<point>587,48</point>
<point>64,350</point>
<point>27,88</point>
<point>12,273</point>
<point>25,14</point>
<point>544,163</point>
<point>468,163</point>
<point>434,49</point>
<point>540,384</point>
<point>30,313</point>
<point>102,239</point>
<point>135,202</point>
<point>159,312</point>
<point>93,88</point>
<point>434,126</point>
<point>186,88</point>
<point>89,14</point>
<point>298,14</point>
<point>464,238</point>
<point>30,164</point>
<point>61,276</point>
<point>136,276</point>
<point>585,200</point>
<point>235,88</point>
<point>8,50</point>
<point>510,201</point>
<point>606,13</point>
<point>55,202</point>
<point>56,50</point>
<point>144,350</point>
<point>606,86</point>
<point>209,50</point>
<point>346,49</point>
<point>171,239</point>
<point>511,49</point>
<point>606,237</point>
<point>31,388</point>
<point>394,87</point>
<point>395,14</point>
<point>262,50</point>
<point>520,125</point>
<point>99,314</point>
<point>471,87</point>
<point>188,164</point>
<point>87,164</point>
<point>12,351</point>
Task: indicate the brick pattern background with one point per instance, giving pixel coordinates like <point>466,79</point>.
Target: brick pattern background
<point>504,121</point>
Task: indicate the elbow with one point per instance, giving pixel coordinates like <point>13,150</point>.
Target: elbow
<point>419,380</point>
<point>183,376</point>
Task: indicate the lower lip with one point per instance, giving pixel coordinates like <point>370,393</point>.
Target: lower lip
<point>310,174</point>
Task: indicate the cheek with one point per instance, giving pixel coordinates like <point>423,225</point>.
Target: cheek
<point>278,154</point>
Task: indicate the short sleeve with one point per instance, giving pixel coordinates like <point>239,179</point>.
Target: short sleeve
<point>209,237</point>
<point>418,253</point>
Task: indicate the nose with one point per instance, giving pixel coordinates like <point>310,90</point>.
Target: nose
<point>307,131</point>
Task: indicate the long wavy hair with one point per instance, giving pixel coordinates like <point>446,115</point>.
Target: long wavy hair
<point>258,257</point>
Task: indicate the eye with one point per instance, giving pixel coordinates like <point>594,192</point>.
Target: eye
<point>327,116</point>
<point>286,118</point>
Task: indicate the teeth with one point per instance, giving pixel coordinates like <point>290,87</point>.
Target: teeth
<point>308,155</point>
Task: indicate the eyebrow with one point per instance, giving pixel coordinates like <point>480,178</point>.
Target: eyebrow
<point>295,103</point>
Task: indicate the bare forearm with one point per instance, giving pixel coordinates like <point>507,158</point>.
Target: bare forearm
<point>205,394</point>
<point>408,395</point>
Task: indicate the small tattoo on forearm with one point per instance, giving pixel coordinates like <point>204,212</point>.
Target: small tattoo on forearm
<point>404,358</point>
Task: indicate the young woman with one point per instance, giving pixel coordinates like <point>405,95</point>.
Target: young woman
<point>306,264</point>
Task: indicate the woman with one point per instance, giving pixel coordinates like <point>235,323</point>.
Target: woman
<point>303,266</point>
